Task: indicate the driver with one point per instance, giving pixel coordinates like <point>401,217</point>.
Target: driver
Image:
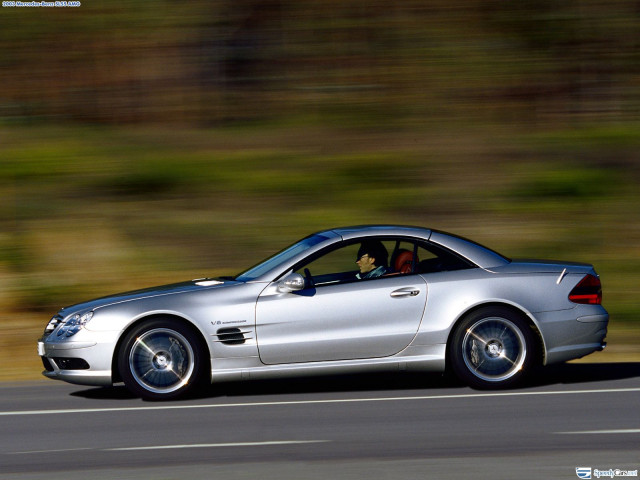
<point>372,259</point>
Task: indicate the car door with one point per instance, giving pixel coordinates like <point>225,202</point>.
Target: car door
<point>340,320</point>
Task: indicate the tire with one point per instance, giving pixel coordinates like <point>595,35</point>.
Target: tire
<point>163,359</point>
<point>492,348</point>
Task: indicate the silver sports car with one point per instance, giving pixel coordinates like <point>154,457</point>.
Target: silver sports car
<point>353,299</point>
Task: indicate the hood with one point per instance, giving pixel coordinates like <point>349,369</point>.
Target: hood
<point>171,289</point>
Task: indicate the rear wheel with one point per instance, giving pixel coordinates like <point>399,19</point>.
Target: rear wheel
<point>162,359</point>
<point>492,348</point>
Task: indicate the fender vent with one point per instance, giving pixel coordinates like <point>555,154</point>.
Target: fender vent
<point>230,336</point>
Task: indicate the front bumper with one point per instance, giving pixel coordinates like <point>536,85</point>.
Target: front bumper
<point>82,362</point>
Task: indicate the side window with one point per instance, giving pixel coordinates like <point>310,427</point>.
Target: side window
<point>366,259</point>
<point>433,259</point>
<point>427,258</point>
<point>337,266</point>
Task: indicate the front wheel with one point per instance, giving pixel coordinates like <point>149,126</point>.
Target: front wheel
<point>492,348</point>
<point>162,359</point>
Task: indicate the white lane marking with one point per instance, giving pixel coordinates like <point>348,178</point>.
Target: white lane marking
<point>603,432</point>
<point>217,445</point>
<point>59,450</point>
<point>171,447</point>
<point>312,402</point>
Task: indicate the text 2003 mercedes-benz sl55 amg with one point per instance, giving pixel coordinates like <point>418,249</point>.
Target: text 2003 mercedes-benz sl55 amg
<point>346,300</point>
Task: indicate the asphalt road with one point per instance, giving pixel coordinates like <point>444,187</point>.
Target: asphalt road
<point>356,427</point>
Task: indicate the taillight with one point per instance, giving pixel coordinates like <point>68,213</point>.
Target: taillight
<point>589,291</point>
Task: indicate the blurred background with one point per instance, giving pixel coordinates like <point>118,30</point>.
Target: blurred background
<point>152,142</point>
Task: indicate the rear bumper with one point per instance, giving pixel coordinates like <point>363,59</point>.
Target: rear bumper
<point>569,336</point>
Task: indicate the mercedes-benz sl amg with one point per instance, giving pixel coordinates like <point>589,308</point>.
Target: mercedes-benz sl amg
<point>355,299</point>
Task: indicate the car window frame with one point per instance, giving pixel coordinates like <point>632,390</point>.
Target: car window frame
<point>433,248</point>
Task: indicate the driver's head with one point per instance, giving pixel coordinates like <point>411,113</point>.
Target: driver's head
<point>371,255</point>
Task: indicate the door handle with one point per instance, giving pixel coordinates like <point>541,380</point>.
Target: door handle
<point>405,292</point>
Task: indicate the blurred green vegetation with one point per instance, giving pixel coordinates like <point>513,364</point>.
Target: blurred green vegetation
<point>148,142</point>
<point>119,208</point>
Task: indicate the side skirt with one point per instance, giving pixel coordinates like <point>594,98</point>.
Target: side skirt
<point>251,367</point>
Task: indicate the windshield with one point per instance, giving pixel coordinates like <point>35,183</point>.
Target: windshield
<point>281,257</point>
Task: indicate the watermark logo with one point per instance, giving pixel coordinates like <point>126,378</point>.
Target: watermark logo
<point>588,473</point>
<point>584,472</point>
<point>38,4</point>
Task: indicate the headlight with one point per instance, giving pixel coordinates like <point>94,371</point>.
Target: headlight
<point>53,324</point>
<point>74,324</point>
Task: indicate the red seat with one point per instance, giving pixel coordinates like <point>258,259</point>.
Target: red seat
<point>403,262</point>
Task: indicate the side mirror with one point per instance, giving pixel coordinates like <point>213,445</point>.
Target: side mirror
<point>291,283</point>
